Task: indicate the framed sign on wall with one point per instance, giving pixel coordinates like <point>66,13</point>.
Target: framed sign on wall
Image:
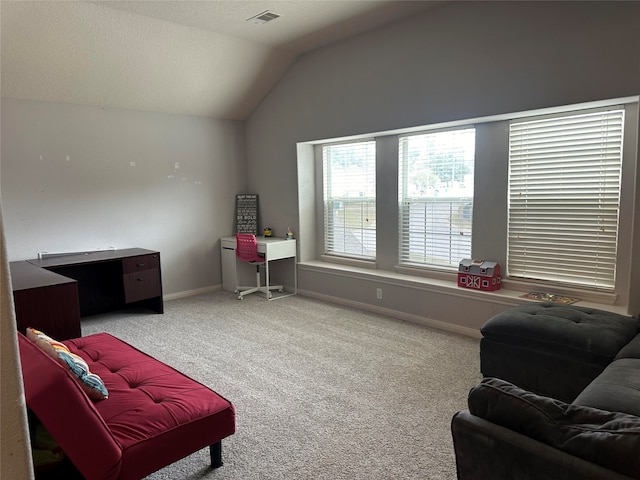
<point>247,213</point>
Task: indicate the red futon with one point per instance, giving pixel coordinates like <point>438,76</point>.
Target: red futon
<point>153,415</point>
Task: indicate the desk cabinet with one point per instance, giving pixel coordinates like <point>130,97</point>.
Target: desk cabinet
<point>141,277</point>
<point>45,300</point>
<point>229,268</point>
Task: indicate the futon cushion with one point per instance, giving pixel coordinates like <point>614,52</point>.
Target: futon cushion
<point>156,413</point>
<point>584,334</point>
<point>57,400</point>
<point>607,438</point>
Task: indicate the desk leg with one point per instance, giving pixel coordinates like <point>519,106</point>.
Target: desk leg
<point>266,279</point>
<point>295,279</point>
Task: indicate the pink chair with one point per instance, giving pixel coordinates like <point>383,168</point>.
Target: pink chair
<point>247,251</point>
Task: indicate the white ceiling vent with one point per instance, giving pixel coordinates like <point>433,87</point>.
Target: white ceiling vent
<point>263,17</point>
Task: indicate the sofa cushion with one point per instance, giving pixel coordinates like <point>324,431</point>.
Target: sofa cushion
<point>91,383</point>
<point>525,345</point>
<point>607,438</point>
<point>46,343</point>
<point>616,389</point>
<point>584,334</point>
<point>631,349</point>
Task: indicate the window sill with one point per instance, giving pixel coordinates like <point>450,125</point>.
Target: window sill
<point>509,295</point>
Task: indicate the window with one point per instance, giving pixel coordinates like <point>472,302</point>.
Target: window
<point>564,191</point>
<point>349,185</point>
<point>549,194</point>
<point>436,197</point>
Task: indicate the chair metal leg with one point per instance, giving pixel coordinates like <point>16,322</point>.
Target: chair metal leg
<point>242,291</point>
<point>266,289</point>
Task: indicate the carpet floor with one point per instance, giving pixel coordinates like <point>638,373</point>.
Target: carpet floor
<point>322,391</point>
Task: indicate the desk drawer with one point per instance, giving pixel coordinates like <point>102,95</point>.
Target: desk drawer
<point>228,242</point>
<point>141,262</point>
<point>141,285</point>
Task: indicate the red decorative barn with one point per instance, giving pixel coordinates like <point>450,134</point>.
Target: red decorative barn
<point>479,274</point>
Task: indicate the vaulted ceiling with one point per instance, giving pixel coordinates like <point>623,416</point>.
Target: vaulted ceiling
<point>189,57</point>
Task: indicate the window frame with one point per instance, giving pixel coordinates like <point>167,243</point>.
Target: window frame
<point>328,239</point>
<point>490,192</point>
<point>530,159</point>
<point>428,202</point>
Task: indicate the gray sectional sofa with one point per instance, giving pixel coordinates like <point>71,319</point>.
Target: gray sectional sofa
<point>560,398</point>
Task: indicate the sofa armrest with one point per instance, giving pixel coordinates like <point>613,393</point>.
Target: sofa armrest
<point>607,438</point>
<point>57,399</point>
<point>486,451</point>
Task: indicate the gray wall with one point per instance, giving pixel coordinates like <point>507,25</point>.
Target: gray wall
<point>78,178</point>
<point>68,183</point>
<point>459,61</point>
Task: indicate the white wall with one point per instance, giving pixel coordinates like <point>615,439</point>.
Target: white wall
<point>462,60</point>
<point>78,178</point>
<point>68,184</point>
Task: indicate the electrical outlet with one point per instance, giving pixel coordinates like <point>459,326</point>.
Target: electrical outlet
<point>379,293</point>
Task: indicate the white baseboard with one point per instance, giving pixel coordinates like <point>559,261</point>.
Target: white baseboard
<point>430,322</point>
<point>190,293</point>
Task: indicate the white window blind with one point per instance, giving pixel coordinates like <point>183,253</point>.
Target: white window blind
<point>564,189</point>
<point>349,178</point>
<point>436,197</point>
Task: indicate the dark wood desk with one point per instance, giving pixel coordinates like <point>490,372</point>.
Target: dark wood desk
<point>52,293</point>
<point>45,300</point>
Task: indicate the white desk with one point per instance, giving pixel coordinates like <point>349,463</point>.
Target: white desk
<point>272,248</point>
